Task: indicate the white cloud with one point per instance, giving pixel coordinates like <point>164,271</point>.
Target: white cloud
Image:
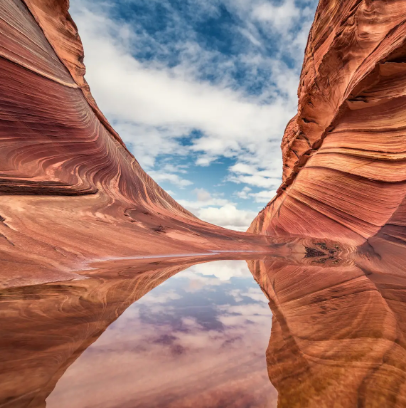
<point>202,194</point>
<point>170,178</point>
<point>263,196</point>
<point>204,199</point>
<point>244,193</point>
<point>254,40</point>
<point>219,211</point>
<point>175,168</point>
<point>254,175</point>
<point>228,216</point>
<point>242,168</point>
<point>147,142</point>
<point>223,270</point>
<point>260,178</point>
<point>152,106</point>
<point>280,17</point>
<point>289,20</point>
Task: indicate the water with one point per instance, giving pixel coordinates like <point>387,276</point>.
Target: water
<point>323,326</point>
<point>197,340</point>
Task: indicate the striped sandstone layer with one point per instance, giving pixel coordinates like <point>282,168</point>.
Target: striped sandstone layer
<point>338,327</point>
<point>70,191</point>
<point>344,152</point>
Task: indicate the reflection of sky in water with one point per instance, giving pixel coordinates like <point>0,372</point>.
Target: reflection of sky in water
<point>199,340</point>
<point>197,295</point>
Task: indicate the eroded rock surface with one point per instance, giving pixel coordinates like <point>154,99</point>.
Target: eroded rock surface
<point>344,152</point>
<point>70,191</point>
<point>338,327</point>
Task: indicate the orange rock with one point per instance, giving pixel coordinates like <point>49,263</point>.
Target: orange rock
<point>72,315</point>
<point>338,327</point>
<point>344,152</point>
<point>70,191</point>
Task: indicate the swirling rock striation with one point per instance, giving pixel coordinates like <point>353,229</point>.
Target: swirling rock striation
<point>344,152</point>
<point>70,191</point>
<point>338,327</point>
<point>54,139</point>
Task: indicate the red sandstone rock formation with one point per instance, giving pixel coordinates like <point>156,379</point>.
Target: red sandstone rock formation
<point>338,327</point>
<point>70,191</point>
<point>344,152</point>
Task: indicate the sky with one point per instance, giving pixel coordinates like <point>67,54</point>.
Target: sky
<point>200,91</point>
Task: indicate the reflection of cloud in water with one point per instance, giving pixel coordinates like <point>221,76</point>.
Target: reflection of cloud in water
<point>242,315</point>
<point>223,270</point>
<point>253,293</point>
<point>197,340</point>
<point>162,298</point>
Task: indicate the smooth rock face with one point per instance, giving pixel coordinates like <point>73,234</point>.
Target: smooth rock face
<point>338,327</point>
<point>344,152</point>
<point>45,328</point>
<point>70,191</point>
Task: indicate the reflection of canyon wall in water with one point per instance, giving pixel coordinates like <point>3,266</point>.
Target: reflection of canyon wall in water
<point>45,328</point>
<point>69,189</point>
<point>339,328</point>
<point>344,152</point>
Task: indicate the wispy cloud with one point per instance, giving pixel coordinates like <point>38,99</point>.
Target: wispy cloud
<point>171,178</point>
<point>228,216</point>
<point>150,98</point>
<point>219,211</point>
<point>261,197</point>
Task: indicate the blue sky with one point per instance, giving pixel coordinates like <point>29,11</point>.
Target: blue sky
<point>200,91</point>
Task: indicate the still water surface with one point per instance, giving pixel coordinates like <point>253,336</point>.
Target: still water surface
<point>197,340</point>
<point>318,328</point>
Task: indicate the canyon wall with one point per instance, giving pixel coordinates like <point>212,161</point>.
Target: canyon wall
<point>70,191</point>
<point>344,153</point>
